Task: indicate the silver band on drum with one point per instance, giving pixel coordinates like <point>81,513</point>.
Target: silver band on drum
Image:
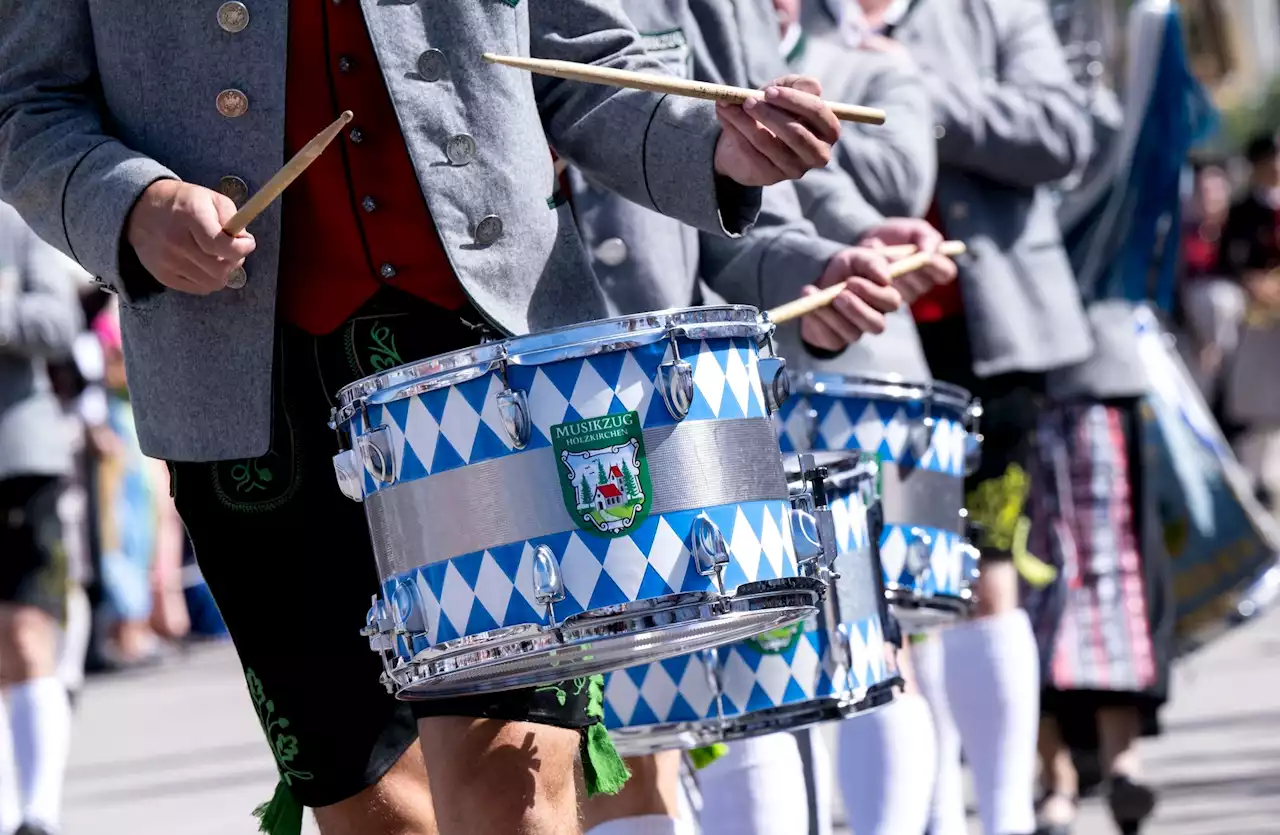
<point>921,498</point>
<point>418,523</point>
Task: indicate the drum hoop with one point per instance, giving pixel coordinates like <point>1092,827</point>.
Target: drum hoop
<point>565,343</point>
<point>622,332</point>
<point>887,387</point>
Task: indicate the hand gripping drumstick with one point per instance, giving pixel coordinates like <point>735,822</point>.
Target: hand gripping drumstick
<point>293,169</point>
<point>665,84</point>
<point>950,249</point>
<point>808,304</point>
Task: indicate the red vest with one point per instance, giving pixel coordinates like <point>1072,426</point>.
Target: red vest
<point>356,220</point>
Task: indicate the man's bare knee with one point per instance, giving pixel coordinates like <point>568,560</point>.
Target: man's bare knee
<point>28,642</point>
<point>997,588</point>
<point>398,804</point>
<point>654,789</point>
<point>509,777</point>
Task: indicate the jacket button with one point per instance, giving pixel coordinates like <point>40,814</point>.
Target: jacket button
<point>238,279</point>
<point>232,103</point>
<point>613,252</point>
<point>432,65</point>
<point>488,230</point>
<point>233,16</point>
<point>344,64</point>
<point>369,204</point>
<point>235,188</point>
<point>461,149</point>
<point>939,132</point>
<point>387,271</point>
<point>356,136</point>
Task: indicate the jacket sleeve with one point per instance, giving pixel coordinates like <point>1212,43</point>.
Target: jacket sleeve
<point>40,313</point>
<point>656,150</point>
<point>1027,127</point>
<point>70,180</point>
<point>770,265</point>
<point>894,165</point>
<point>835,206</point>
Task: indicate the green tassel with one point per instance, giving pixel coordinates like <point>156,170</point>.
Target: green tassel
<point>282,815</point>
<point>703,757</point>
<point>604,770</point>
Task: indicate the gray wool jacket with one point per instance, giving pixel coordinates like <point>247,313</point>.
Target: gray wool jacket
<point>829,207</point>
<point>1010,122</point>
<point>99,99</point>
<point>40,317</point>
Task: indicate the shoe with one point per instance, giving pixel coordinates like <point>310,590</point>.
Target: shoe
<point>1131,804</point>
<point>1055,827</point>
<point>32,829</point>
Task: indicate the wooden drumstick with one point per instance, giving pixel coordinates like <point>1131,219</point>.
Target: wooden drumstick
<point>293,169</point>
<point>948,248</point>
<point>666,84</point>
<point>808,304</point>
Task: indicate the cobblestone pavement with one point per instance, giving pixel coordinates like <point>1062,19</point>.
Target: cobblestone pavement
<point>177,750</point>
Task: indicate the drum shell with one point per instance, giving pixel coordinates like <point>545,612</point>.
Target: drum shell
<point>920,435</point>
<point>824,668</point>
<point>468,513</point>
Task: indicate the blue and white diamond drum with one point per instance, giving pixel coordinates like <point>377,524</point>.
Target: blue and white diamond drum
<point>926,440</point>
<point>827,667</point>
<point>567,503</point>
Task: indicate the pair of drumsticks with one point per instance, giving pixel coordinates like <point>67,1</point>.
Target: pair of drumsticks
<point>906,259</point>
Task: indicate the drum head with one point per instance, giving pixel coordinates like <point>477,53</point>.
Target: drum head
<point>887,387</point>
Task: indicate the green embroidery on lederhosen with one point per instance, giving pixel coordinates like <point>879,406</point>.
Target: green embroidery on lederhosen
<point>370,346</point>
<point>561,690</point>
<point>284,746</point>
<point>259,485</point>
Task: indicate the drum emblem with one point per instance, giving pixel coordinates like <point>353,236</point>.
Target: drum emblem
<point>604,475</point>
<point>777,641</point>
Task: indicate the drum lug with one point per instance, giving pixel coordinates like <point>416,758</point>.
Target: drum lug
<point>675,383</point>
<point>346,467</point>
<point>918,553</point>
<point>710,551</point>
<point>548,585</point>
<point>375,449</point>
<point>775,382</point>
<point>973,437</point>
<point>378,628</point>
<point>810,511</point>
<point>513,411</point>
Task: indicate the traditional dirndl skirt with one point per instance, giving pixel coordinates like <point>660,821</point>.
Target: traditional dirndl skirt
<point>1092,621</point>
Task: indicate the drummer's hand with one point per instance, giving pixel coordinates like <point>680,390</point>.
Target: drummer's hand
<point>780,137</point>
<point>919,233</point>
<point>859,309</point>
<point>176,230</point>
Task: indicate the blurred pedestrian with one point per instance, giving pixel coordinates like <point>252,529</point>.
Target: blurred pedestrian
<point>1250,254</point>
<point>141,533</point>
<point>1212,301</point>
<point>40,317</point>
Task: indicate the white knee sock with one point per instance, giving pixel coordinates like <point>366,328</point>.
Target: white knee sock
<point>40,719</point>
<point>993,686</point>
<point>887,760</point>
<point>643,825</point>
<point>948,815</point>
<point>10,804</point>
<point>756,789</point>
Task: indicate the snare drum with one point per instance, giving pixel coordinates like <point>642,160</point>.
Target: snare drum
<point>567,503</point>
<point>925,438</point>
<point>827,667</point>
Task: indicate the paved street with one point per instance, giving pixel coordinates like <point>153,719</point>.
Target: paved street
<point>177,750</point>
